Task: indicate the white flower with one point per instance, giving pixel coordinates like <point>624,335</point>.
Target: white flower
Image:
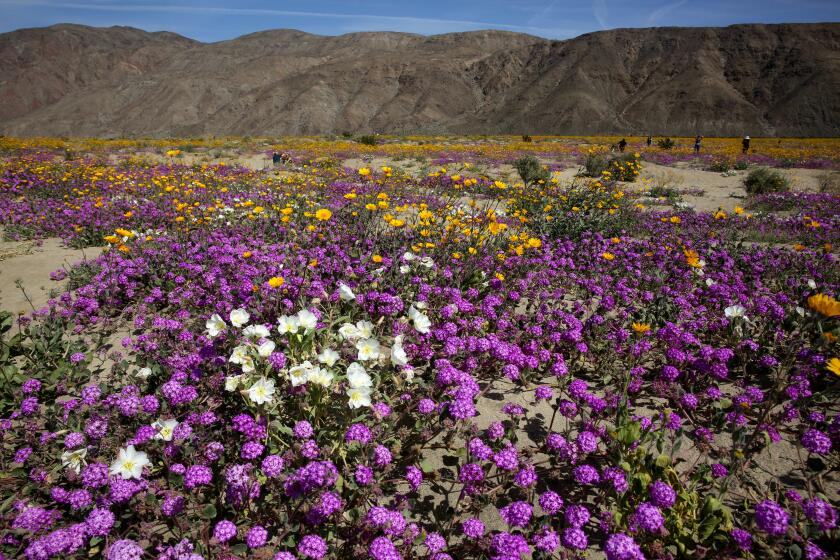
<point>286,324</point>
<point>368,349</point>
<point>266,348</point>
<point>428,262</point>
<point>74,459</point>
<point>348,331</point>
<point>232,382</point>
<point>398,356</point>
<point>215,325</point>
<point>261,392</point>
<point>421,322</point>
<point>256,332</point>
<point>359,397</point>
<point>404,268</point>
<point>734,311</point>
<point>409,373</point>
<point>710,282</point>
<point>320,376</point>
<point>248,364</point>
<point>408,256</point>
<point>307,320</point>
<point>345,293</point>
<point>239,354</point>
<point>365,329</point>
<point>357,376</point>
<point>812,284</point>
<point>299,374</point>
<point>328,357</point>
<point>129,463</point>
<point>165,429</point>
<point>144,373</point>
<point>239,317</point>
<point>800,311</point>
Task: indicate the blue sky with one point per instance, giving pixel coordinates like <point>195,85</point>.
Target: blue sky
<point>215,20</point>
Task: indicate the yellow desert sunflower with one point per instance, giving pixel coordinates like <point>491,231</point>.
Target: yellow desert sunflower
<point>825,305</point>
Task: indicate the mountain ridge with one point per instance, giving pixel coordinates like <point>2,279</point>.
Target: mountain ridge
<point>759,79</point>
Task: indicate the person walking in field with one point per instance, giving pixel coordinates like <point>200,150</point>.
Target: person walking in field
<point>275,159</point>
<point>697,142</point>
<point>649,140</point>
<point>622,144</point>
<point>745,145</point>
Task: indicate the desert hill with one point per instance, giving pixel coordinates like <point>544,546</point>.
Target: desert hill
<point>71,80</point>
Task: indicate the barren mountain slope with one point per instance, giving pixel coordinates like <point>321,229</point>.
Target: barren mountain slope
<point>759,79</point>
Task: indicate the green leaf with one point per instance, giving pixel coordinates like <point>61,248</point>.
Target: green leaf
<point>209,511</point>
<point>426,466</point>
<point>663,461</point>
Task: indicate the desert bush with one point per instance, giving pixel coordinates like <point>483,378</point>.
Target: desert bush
<point>367,140</point>
<point>625,167</point>
<point>666,143</point>
<point>527,138</point>
<point>720,165</point>
<point>763,180</point>
<point>594,165</point>
<point>741,164</point>
<point>531,170</point>
<point>830,182</point>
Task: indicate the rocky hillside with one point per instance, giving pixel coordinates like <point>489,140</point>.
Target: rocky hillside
<point>756,79</point>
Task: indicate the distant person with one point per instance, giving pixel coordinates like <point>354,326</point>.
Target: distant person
<point>622,144</point>
<point>745,145</point>
<point>697,142</point>
<point>649,140</point>
<point>275,158</point>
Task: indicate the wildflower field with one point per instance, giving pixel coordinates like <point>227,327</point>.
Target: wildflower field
<point>427,347</point>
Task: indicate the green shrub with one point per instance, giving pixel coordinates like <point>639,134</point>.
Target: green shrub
<point>527,138</point>
<point>666,143</point>
<point>594,165</point>
<point>531,170</point>
<point>625,167</point>
<point>741,164</point>
<point>830,182</point>
<point>763,180</point>
<point>367,140</point>
<point>720,165</point>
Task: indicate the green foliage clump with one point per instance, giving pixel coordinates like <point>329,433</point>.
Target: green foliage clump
<point>763,180</point>
<point>531,171</point>
<point>367,140</point>
<point>666,143</point>
<point>527,138</point>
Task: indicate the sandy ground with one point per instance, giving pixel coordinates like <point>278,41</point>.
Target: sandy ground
<point>31,263</point>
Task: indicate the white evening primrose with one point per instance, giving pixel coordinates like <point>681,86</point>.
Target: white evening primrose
<point>321,376</point>
<point>266,348</point>
<point>215,325</point>
<point>261,391</point>
<point>239,317</point>
<point>421,322</point>
<point>734,311</point>
<point>287,325</point>
<point>165,429</point>
<point>299,374</point>
<point>404,268</point>
<point>328,357</point>
<point>358,397</point>
<point>239,354</point>
<point>368,349</point>
<point>365,329</point>
<point>408,256</point>
<point>812,284</point>
<point>357,376</point>
<point>232,382</point>
<point>428,262</point>
<point>74,459</point>
<point>348,331</point>
<point>307,320</point>
<point>129,463</point>
<point>710,282</point>
<point>398,356</point>
<point>345,293</point>
<point>144,373</point>
<point>256,332</point>
<point>247,364</point>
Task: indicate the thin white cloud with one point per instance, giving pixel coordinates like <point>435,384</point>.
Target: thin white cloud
<point>413,22</point>
<point>659,13</point>
<point>599,10</point>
